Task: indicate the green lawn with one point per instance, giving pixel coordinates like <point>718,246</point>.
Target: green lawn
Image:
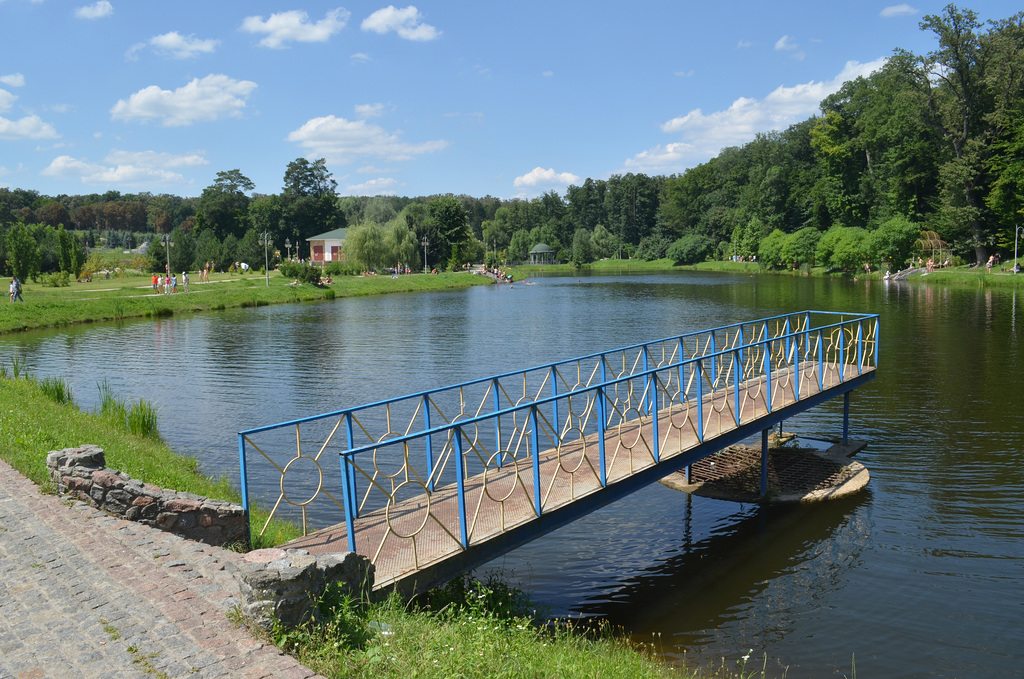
<point>132,296</point>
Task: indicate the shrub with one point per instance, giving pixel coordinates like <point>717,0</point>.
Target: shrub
<point>799,247</point>
<point>303,273</point>
<point>769,252</point>
<point>892,243</point>
<point>58,279</point>
<point>691,249</point>
<point>652,248</point>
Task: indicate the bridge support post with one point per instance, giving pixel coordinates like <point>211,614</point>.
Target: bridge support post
<point>846,417</point>
<point>764,462</point>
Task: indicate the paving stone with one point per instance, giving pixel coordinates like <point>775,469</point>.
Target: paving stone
<point>70,575</point>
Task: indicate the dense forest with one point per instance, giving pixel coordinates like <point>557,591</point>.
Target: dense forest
<point>929,149</point>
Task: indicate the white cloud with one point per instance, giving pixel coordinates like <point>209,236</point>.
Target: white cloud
<point>685,74</point>
<point>343,141</point>
<point>97,10</point>
<point>538,176</point>
<point>361,58</point>
<point>382,186</point>
<point>295,26</point>
<point>203,99</point>
<point>785,43</point>
<point>155,159</point>
<point>6,100</point>
<point>123,168</point>
<point>704,135</point>
<point>407,23</point>
<point>13,80</point>
<point>369,110</point>
<point>548,74</point>
<point>180,46</point>
<point>743,44</point>
<point>373,169</point>
<point>897,10</point>
<point>29,127</point>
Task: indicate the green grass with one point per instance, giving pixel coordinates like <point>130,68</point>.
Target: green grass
<point>119,299</point>
<point>35,419</point>
<point>469,629</point>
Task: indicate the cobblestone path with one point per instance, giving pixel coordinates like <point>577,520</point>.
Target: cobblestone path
<point>86,595</point>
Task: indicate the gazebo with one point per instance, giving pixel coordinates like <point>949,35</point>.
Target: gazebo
<point>542,254</point>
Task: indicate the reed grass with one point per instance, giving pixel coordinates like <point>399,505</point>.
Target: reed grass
<point>57,389</point>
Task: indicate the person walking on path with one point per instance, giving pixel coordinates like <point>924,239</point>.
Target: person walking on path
<point>16,290</point>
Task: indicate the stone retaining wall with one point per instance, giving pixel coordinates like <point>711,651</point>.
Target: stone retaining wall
<point>82,474</point>
<point>287,586</point>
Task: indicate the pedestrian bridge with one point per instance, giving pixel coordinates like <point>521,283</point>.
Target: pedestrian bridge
<point>433,483</point>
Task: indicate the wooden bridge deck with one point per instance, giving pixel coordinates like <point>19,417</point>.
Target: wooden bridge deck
<point>410,542</point>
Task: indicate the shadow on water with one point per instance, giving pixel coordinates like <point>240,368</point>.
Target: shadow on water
<point>755,572</point>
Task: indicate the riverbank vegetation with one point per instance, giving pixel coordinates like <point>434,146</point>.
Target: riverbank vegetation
<point>37,416</point>
<point>467,629</point>
<point>131,296</point>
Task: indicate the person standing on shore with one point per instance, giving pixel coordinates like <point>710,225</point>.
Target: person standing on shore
<point>16,290</point>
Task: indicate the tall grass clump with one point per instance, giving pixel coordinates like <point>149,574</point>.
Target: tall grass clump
<point>134,418</point>
<point>141,419</point>
<point>57,389</point>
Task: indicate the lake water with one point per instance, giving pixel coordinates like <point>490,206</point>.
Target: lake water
<point>922,575</point>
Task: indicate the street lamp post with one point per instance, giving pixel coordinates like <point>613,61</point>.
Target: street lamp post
<point>266,256</point>
<point>288,244</point>
<point>425,242</point>
<point>167,249</point>
<point>1016,233</point>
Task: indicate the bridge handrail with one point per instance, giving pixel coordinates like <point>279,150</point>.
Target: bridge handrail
<point>548,366</point>
<point>477,419</point>
<point>798,333</point>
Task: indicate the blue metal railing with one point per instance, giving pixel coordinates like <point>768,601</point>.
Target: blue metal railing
<point>523,439</point>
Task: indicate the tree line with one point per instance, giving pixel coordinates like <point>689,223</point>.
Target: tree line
<point>930,143</point>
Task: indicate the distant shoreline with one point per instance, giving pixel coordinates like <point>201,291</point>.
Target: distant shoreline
<point>131,297</point>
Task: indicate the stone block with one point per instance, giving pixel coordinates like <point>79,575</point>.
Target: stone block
<point>183,505</point>
<point>107,479</point>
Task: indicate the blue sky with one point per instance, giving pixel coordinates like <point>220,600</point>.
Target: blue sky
<point>506,99</point>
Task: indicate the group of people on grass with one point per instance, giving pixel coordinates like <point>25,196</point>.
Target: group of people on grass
<point>170,283</point>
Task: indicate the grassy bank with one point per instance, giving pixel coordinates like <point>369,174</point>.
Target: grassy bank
<point>37,416</point>
<point>465,630</point>
<point>119,299</point>
<point>601,266</point>
<point>958,275</point>
<point>468,629</point>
